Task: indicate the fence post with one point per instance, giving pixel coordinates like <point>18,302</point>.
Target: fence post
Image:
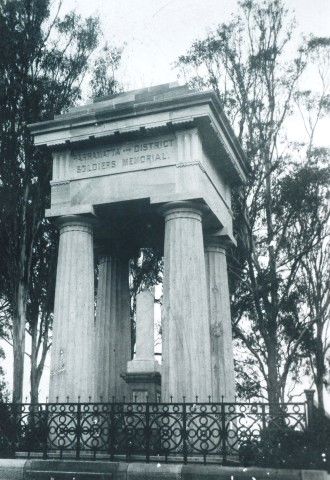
<point>224,432</point>
<point>147,433</point>
<point>184,433</point>
<point>78,431</point>
<point>310,406</point>
<point>46,432</point>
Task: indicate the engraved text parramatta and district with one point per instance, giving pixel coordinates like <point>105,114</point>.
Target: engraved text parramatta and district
<point>128,156</point>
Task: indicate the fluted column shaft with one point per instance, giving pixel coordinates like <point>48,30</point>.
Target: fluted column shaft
<point>186,343</point>
<point>220,320</point>
<point>72,355</point>
<point>112,328</point>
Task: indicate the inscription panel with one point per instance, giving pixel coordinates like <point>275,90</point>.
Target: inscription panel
<point>107,160</point>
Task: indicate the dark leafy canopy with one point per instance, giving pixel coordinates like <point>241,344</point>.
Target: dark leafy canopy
<point>43,61</point>
<point>246,62</point>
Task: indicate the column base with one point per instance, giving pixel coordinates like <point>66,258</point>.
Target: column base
<point>143,386</point>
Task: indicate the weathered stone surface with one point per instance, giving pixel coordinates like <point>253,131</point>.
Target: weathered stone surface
<point>78,470</point>
<point>12,469</point>
<point>104,470</point>
<point>143,372</point>
<point>122,159</point>
<point>163,149</point>
<point>217,472</point>
<point>153,471</point>
<point>112,347</point>
<point>144,359</point>
<point>186,366</point>
<point>223,378</point>
<point>72,352</point>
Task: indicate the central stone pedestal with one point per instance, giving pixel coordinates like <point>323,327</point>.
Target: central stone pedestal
<point>143,372</point>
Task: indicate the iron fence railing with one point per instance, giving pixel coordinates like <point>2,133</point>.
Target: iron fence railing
<point>144,431</point>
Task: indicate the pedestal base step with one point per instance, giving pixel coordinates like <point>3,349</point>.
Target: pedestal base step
<point>98,470</point>
<point>71,470</point>
<point>54,475</point>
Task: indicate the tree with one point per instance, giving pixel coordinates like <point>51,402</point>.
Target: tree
<point>3,333</point>
<point>303,191</point>
<point>245,62</point>
<point>41,302</point>
<point>103,81</point>
<point>315,286</point>
<point>313,280</point>
<point>146,270</point>
<point>42,65</point>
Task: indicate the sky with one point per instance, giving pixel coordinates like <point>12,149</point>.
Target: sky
<point>155,33</point>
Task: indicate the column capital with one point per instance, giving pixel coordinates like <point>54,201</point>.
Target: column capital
<point>216,243</point>
<point>75,223</point>
<point>183,209</point>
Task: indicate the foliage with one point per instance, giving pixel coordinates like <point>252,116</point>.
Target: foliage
<point>286,448</point>
<point>246,62</point>
<point>145,271</point>
<point>3,385</point>
<point>42,65</point>
<point>103,81</point>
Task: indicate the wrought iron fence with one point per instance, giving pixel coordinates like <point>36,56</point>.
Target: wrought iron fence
<point>144,431</point>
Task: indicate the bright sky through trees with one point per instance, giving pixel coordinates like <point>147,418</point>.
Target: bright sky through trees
<point>156,32</point>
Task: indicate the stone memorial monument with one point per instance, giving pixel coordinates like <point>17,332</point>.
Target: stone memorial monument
<point>148,168</point>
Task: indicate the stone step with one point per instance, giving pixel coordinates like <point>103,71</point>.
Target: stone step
<point>85,470</point>
<point>74,475</point>
<point>71,470</point>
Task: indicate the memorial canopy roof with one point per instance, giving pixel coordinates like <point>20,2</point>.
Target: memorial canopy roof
<point>148,111</point>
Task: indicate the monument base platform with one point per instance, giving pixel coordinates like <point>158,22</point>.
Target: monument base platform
<point>144,386</point>
<point>20,469</point>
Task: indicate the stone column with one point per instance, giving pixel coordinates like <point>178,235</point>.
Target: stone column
<point>72,356</point>
<point>112,328</point>
<point>186,366</point>
<point>220,320</point>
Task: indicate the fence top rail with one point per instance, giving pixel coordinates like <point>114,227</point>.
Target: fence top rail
<point>192,404</point>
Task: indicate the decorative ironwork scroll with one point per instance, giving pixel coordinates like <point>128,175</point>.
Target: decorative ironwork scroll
<point>143,431</point>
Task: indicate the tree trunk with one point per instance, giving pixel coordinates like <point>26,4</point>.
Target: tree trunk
<point>19,322</point>
<point>273,380</point>
<point>320,370</point>
<point>34,367</point>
